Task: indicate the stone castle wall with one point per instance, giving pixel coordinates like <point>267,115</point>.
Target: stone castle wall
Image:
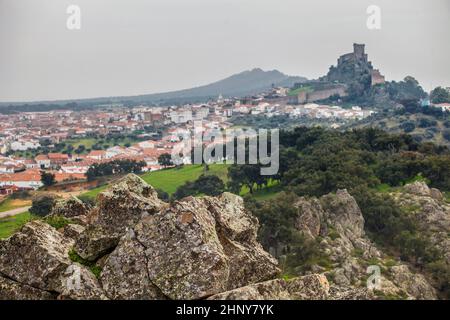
<point>377,77</point>
<point>317,95</point>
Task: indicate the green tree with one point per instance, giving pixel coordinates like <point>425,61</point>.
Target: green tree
<point>80,149</point>
<point>47,178</point>
<point>209,185</point>
<point>277,218</point>
<point>440,95</point>
<point>42,205</point>
<point>165,160</point>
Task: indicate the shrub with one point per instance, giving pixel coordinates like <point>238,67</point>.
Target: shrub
<point>408,126</point>
<point>426,123</point>
<point>57,222</point>
<point>209,185</point>
<point>42,205</point>
<point>96,270</point>
<point>87,200</point>
<point>446,134</point>
<point>162,195</point>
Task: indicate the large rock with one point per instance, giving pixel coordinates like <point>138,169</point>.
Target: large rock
<point>125,274</point>
<point>69,208</point>
<point>185,257</point>
<point>431,213</point>
<point>35,256</point>
<point>118,209</point>
<point>344,213</point>
<point>72,231</point>
<point>418,188</point>
<point>310,217</point>
<point>413,284</point>
<point>125,203</point>
<point>78,283</point>
<point>94,242</point>
<point>237,232</point>
<point>350,293</point>
<point>202,246</point>
<point>311,287</point>
<point>339,221</point>
<point>11,290</point>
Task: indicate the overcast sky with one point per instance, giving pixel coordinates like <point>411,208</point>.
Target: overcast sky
<point>128,47</point>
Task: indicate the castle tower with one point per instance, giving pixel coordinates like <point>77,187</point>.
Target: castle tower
<point>358,50</point>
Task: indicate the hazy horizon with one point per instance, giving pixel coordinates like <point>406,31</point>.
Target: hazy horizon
<point>135,47</point>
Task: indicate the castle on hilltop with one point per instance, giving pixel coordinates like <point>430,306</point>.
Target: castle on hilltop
<point>354,65</point>
<point>353,76</point>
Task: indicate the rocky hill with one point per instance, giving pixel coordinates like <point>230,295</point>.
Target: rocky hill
<point>132,245</point>
<point>338,221</point>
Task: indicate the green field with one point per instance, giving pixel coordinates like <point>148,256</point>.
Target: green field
<point>91,194</point>
<point>87,142</point>
<point>169,180</point>
<point>10,225</point>
<point>10,204</point>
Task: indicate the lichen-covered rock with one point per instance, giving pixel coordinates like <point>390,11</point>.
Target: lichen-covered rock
<point>344,213</point>
<point>81,220</point>
<point>418,188</point>
<point>246,264</point>
<point>185,257</point>
<point>202,246</point>
<point>237,232</point>
<point>431,212</point>
<point>413,284</point>
<point>35,256</point>
<point>436,194</point>
<point>125,275</point>
<point>268,290</point>
<point>310,217</point>
<point>232,220</point>
<point>11,290</point>
<point>350,293</point>
<point>311,287</point>
<point>339,221</point>
<point>119,208</point>
<point>125,203</point>
<point>135,184</point>
<point>73,231</point>
<point>70,207</point>
<point>95,242</point>
<point>78,283</point>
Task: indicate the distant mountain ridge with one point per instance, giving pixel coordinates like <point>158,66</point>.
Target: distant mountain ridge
<point>245,83</point>
<point>241,84</point>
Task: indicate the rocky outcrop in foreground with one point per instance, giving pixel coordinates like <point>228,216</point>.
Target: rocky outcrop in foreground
<point>134,246</point>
